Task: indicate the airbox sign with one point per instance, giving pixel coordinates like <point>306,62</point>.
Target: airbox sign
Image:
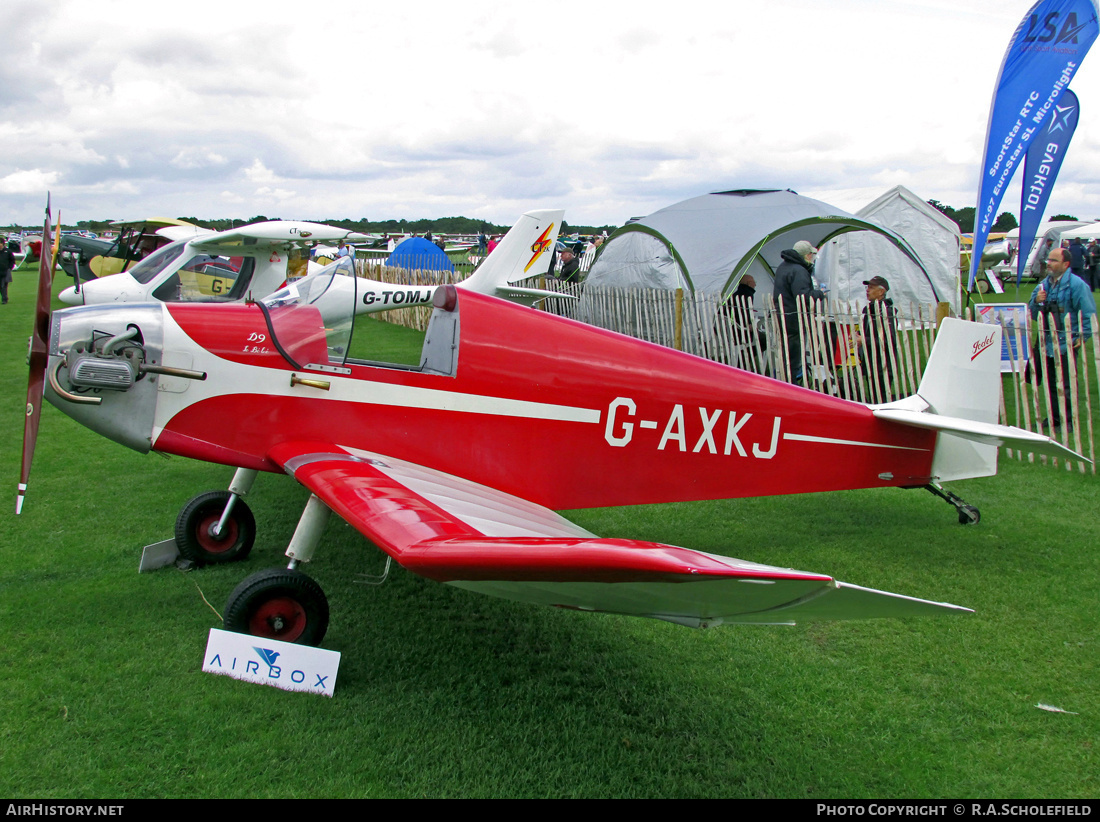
<point>270,662</point>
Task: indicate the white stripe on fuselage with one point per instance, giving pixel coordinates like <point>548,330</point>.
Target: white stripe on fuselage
<point>834,441</point>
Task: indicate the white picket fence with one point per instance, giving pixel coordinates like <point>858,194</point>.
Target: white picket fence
<point>736,334</point>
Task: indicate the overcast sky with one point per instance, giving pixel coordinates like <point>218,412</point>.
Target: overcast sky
<point>428,109</point>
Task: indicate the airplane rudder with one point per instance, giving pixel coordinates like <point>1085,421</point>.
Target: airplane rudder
<point>963,375</point>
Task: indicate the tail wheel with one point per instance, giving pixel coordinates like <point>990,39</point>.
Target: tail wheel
<point>969,515</point>
<point>196,524</point>
<point>279,604</point>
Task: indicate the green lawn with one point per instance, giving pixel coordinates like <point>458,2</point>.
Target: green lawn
<point>443,693</point>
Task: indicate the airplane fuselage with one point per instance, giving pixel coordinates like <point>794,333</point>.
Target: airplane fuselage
<point>555,411</point>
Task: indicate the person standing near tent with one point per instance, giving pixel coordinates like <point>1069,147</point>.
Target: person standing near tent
<point>734,321</point>
<point>1092,257</point>
<point>570,271</point>
<point>877,340</point>
<point>794,279</point>
<point>1061,293</point>
<point>1077,258</point>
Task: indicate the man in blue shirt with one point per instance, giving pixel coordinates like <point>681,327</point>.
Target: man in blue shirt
<point>1061,292</point>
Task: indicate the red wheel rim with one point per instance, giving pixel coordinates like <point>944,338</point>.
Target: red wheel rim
<point>212,544</point>
<point>282,618</point>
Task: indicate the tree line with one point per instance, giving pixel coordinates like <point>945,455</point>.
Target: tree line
<point>439,225</point>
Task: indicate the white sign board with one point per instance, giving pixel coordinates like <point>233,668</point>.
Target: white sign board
<point>271,662</point>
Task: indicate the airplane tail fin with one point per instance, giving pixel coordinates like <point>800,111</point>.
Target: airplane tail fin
<point>524,252</point>
<point>959,396</point>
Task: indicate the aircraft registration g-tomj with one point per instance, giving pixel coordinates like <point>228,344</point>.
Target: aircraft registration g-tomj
<point>454,467</point>
<point>257,260</point>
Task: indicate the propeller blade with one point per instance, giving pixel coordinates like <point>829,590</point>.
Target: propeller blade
<point>38,358</point>
<point>56,245</point>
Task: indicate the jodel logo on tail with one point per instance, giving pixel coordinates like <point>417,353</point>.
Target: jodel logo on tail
<point>982,345</point>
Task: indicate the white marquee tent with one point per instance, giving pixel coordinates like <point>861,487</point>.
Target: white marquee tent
<point>845,262</point>
<point>708,243</point>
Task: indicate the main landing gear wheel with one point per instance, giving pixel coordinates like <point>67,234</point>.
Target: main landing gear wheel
<point>196,526</point>
<point>279,604</point>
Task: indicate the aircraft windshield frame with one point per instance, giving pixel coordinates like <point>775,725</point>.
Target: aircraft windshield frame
<point>145,271</point>
<point>333,308</point>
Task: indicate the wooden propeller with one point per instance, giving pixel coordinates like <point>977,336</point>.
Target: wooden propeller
<point>37,359</point>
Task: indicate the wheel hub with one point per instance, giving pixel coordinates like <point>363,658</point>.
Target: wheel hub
<point>209,537</point>
<point>281,618</point>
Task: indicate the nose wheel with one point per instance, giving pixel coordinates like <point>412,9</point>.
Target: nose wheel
<point>215,527</point>
<point>279,604</point>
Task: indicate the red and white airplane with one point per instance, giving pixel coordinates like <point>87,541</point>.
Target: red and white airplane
<point>454,467</point>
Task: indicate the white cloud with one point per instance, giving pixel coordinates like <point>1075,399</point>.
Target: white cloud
<point>190,158</point>
<point>423,109</point>
<point>259,173</point>
<point>267,194</point>
<point>32,181</point>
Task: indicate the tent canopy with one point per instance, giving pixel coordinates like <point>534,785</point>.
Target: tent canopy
<point>418,254</point>
<point>1081,231</point>
<point>847,261</point>
<point>708,243</point>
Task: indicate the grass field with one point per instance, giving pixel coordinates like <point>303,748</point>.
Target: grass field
<point>443,693</point>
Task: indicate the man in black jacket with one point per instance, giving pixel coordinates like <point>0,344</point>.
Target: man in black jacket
<point>7,263</point>
<point>794,279</point>
<point>570,267</point>
<point>877,340</point>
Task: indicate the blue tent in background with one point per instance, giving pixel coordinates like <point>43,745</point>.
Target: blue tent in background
<point>418,254</point>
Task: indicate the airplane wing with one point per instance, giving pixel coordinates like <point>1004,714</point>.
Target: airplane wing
<point>278,232</point>
<point>468,535</point>
<point>182,232</point>
<point>151,222</point>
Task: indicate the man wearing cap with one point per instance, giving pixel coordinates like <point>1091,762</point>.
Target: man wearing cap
<point>793,279</point>
<point>878,340</point>
<point>570,267</point>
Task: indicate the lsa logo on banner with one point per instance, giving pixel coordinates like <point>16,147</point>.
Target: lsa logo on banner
<point>270,662</point>
<point>1042,57</point>
<point>1047,31</point>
